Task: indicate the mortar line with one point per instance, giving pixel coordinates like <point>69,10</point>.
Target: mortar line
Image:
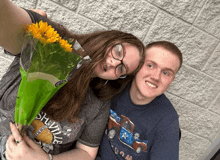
<point>36,4</point>
<point>152,24</point>
<point>203,73</point>
<point>78,14</point>
<point>60,5</point>
<point>218,95</point>
<point>199,13</point>
<point>91,20</point>
<point>198,135</point>
<point>78,7</point>
<point>188,101</point>
<point>183,20</point>
<point>6,59</point>
<point>210,57</point>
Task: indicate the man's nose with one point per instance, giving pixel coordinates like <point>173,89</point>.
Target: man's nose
<point>156,74</point>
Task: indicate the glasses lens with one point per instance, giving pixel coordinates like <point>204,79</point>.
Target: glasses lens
<point>120,70</point>
<point>117,52</point>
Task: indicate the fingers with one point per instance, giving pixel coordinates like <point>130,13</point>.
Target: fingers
<point>10,146</point>
<point>16,137</point>
<point>8,157</point>
<point>15,132</point>
<point>11,142</point>
<point>30,142</point>
<point>43,13</point>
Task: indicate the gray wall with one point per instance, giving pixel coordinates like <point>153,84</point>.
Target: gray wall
<point>193,25</point>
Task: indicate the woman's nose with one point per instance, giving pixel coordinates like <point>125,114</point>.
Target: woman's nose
<point>110,61</point>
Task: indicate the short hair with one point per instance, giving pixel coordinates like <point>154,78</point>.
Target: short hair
<point>168,46</point>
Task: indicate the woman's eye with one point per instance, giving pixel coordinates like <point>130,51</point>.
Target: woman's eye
<point>118,50</point>
<point>121,69</point>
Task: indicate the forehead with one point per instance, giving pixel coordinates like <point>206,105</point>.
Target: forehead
<point>132,57</point>
<point>163,58</point>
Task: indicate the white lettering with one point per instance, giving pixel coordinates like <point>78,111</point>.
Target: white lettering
<point>46,119</point>
<point>128,157</point>
<point>38,116</point>
<point>55,141</point>
<point>116,150</point>
<point>53,125</point>
<point>122,153</point>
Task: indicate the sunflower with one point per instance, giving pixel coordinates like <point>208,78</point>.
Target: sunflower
<point>44,32</point>
<point>51,62</point>
<point>64,44</point>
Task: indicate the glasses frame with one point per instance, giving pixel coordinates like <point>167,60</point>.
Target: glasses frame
<point>121,76</point>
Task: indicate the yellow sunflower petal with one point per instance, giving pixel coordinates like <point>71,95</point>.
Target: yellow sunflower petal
<point>64,44</point>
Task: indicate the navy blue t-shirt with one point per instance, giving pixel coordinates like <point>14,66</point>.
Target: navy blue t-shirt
<point>141,132</point>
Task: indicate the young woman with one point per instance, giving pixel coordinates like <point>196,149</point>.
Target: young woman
<point>77,113</point>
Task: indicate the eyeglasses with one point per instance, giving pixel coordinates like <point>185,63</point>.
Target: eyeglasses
<point>118,54</point>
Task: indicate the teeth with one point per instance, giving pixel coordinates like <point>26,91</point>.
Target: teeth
<point>151,85</point>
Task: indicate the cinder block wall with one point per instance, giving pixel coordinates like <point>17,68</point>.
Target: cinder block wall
<point>193,25</point>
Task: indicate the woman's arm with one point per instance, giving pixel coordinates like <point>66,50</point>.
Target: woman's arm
<point>13,20</point>
<point>28,149</point>
<point>81,152</point>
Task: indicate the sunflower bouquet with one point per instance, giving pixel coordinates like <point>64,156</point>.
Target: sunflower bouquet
<point>46,63</point>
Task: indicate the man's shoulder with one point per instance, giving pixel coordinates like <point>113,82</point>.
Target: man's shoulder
<point>166,106</point>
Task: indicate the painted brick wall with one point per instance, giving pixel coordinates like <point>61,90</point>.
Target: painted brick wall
<point>193,25</point>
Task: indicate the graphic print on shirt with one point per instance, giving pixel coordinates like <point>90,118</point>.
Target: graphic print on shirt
<point>122,127</point>
<point>49,132</point>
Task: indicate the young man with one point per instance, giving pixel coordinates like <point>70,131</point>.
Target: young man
<point>143,123</point>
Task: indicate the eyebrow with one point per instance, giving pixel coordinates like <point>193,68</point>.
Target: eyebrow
<point>163,68</point>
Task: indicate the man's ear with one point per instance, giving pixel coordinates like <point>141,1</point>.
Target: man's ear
<point>41,12</point>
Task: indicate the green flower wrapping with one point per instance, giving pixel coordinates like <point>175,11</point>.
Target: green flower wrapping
<point>46,63</point>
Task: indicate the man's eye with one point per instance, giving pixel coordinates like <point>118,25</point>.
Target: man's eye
<point>150,66</point>
<point>166,73</point>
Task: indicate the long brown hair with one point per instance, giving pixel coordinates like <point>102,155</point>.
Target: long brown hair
<point>65,104</point>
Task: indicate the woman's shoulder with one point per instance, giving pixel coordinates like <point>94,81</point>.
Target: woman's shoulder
<point>92,106</point>
<point>92,99</point>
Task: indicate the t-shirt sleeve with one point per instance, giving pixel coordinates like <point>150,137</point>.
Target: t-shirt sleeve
<point>93,132</point>
<point>166,143</point>
<point>35,17</point>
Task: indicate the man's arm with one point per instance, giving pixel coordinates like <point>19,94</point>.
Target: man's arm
<point>13,20</point>
<point>166,144</point>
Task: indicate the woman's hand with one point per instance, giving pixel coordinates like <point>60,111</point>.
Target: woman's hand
<point>41,12</point>
<point>23,148</point>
